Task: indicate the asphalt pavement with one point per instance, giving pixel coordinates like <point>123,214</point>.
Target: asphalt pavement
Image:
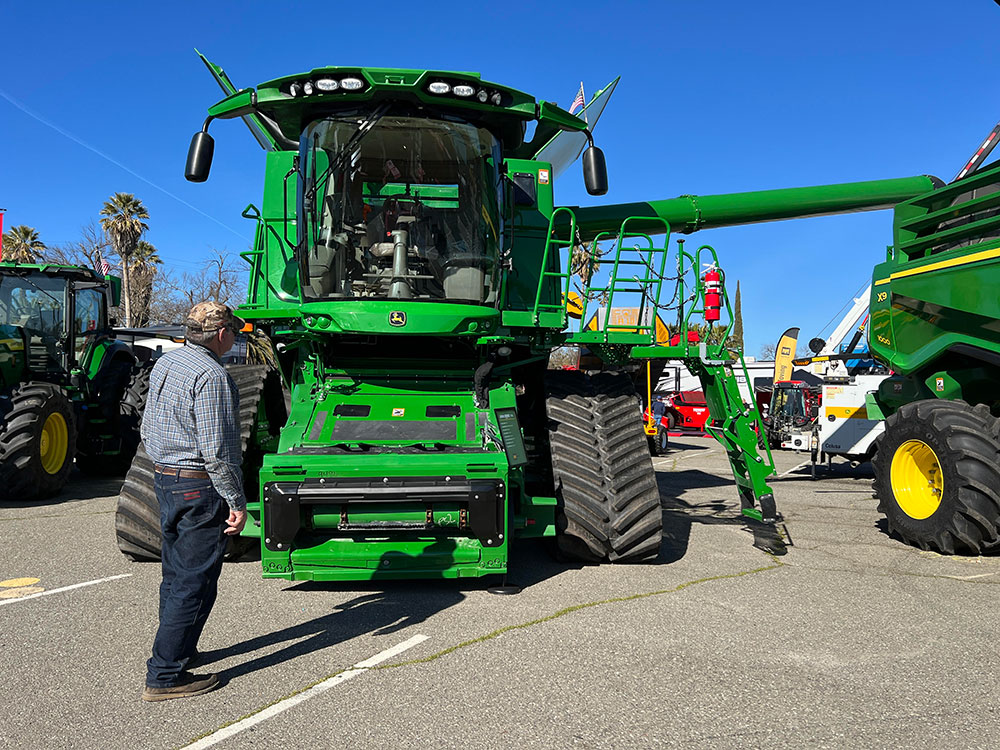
<point>848,639</point>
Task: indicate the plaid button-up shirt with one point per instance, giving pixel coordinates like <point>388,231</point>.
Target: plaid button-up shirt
<point>192,419</point>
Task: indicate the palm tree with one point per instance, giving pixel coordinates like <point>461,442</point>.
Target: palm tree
<point>122,213</point>
<point>145,256</point>
<point>21,245</point>
<point>142,270</point>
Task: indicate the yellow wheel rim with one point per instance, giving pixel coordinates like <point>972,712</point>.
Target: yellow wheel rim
<point>917,479</point>
<point>54,443</point>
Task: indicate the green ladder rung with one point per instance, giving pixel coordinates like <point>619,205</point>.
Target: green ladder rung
<point>621,262</point>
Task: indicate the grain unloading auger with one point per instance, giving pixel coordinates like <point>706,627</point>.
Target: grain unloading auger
<point>412,269</point>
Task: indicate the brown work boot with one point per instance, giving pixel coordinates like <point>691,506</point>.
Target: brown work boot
<point>190,684</point>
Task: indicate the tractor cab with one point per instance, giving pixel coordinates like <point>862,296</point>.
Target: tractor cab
<point>49,317</point>
<point>791,400</point>
<point>793,410</point>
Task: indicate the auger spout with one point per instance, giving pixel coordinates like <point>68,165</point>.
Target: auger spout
<point>689,213</point>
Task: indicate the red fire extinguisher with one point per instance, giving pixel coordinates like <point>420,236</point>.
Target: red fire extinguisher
<point>713,294</point>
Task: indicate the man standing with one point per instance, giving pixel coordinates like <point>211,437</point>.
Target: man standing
<point>192,433</point>
<point>659,409</point>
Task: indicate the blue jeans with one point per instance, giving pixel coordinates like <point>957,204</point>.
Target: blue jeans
<point>192,519</point>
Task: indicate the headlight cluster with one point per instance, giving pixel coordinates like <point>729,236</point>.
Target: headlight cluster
<point>326,85</point>
<point>465,90</point>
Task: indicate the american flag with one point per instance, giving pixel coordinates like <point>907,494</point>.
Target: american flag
<point>103,266</point>
<point>579,101</point>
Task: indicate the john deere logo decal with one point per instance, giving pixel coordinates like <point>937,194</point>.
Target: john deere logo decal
<point>397,318</point>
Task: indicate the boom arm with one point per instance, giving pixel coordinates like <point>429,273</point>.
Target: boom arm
<point>689,213</point>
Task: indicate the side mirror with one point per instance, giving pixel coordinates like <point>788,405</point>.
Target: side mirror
<point>199,160</point>
<point>595,171</point>
<point>115,290</point>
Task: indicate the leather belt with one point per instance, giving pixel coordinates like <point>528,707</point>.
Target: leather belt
<point>174,471</point>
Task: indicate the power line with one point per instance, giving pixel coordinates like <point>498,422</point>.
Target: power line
<point>117,163</point>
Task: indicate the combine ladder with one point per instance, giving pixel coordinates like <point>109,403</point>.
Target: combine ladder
<point>733,421</point>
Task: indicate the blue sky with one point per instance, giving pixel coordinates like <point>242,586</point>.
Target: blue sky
<point>715,97</point>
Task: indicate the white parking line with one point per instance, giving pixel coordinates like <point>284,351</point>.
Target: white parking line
<point>64,588</point>
<point>794,468</point>
<point>658,460</point>
<point>275,709</point>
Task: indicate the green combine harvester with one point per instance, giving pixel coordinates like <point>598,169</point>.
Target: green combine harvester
<point>934,313</point>
<point>413,271</point>
<point>68,388</point>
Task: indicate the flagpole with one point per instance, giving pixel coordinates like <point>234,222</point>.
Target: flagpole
<point>584,104</point>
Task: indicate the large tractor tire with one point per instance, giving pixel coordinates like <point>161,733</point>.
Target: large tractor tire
<point>137,519</point>
<point>608,501</point>
<point>129,405</point>
<point>37,442</point>
<point>937,476</point>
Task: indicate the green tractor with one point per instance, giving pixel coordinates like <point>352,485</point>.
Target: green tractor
<point>67,387</point>
<point>934,313</point>
<point>413,271</point>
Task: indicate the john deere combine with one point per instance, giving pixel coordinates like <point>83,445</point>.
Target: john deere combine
<point>934,322</point>
<point>412,269</point>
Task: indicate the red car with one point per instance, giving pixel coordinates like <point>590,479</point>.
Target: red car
<point>685,410</point>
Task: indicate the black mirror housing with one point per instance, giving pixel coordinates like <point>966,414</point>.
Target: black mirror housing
<point>595,171</point>
<point>199,159</point>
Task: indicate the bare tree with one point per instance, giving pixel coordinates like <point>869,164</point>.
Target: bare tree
<point>563,357</point>
<point>88,251</point>
<point>767,351</point>
<point>220,279</point>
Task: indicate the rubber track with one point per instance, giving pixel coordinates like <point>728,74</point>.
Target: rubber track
<point>137,519</point>
<point>609,505</point>
<point>972,435</point>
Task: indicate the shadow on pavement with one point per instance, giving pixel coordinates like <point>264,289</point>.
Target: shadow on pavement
<point>680,514</point>
<point>79,487</point>
<point>395,606</point>
<point>839,470</point>
<point>676,449</point>
<point>883,525</point>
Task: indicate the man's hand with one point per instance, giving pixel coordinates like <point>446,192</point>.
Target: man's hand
<point>236,521</point>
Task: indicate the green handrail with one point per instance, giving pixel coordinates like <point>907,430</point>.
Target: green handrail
<point>552,238</point>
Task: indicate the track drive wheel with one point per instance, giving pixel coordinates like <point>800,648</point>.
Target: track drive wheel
<point>37,442</point>
<point>608,501</point>
<point>937,476</point>
<point>137,518</point>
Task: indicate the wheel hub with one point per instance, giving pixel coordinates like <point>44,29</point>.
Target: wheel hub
<point>54,443</point>
<point>917,479</point>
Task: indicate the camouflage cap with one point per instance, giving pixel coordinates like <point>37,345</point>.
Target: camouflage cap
<point>211,316</point>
